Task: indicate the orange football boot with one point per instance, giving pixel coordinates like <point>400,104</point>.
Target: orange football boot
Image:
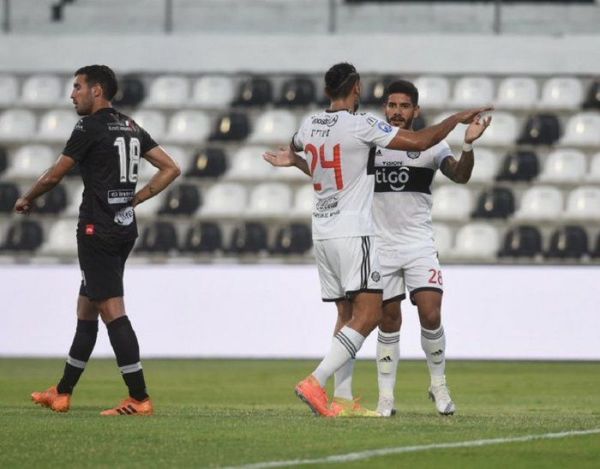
<point>131,406</point>
<point>314,396</point>
<point>52,399</point>
<point>351,408</point>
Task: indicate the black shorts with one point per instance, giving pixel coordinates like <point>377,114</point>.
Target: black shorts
<point>102,264</point>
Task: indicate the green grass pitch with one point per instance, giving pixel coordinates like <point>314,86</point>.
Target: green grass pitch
<point>212,413</point>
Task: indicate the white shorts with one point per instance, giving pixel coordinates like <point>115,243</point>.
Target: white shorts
<point>416,271</point>
<point>347,266</point>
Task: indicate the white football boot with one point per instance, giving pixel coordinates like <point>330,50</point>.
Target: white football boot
<point>385,406</point>
<point>440,395</point>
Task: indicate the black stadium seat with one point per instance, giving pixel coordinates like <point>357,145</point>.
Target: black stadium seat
<point>23,235</point>
<point>255,91</point>
<point>9,193</point>
<point>203,237</point>
<point>3,159</point>
<point>183,199</point>
<point>522,241</point>
<point>519,166</point>
<point>295,238</point>
<point>592,100</point>
<point>249,238</point>
<point>51,202</point>
<point>231,127</point>
<point>568,242</point>
<point>159,237</point>
<point>376,90</point>
<point>298,91</point>
<point>131,92</point>
<point>208,163</point>
<point>540,129</point>
<point>596,251</point>
<point>497,202</point>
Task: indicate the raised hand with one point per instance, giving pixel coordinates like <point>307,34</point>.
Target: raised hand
<point>477,128</point>
<point>466,117</point>
<point>283,157</point>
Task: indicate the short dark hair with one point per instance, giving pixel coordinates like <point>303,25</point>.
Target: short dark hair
<point>404,87</point>
<point>340,79</point>
<point>100,75</point>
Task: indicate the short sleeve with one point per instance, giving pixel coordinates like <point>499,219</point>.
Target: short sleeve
<point>442,151</point>
<point>147,143</point>
<point>297,142</point>
<point>374,131</point>
<point>80,141</point>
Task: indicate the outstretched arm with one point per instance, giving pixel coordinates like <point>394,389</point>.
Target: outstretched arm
<point>286,157</point>
<point>168,170</point>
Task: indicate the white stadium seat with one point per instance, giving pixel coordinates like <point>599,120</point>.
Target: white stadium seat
<point>564,166</point>
<point>61,240</point>
<point>225,199</point>
<point>456,136</point>
<point>584,204</point>
<point>434,91</point>
<point>540,203</point>
<point>270,199</point>
<point>189,127</point>
<point>502,131</point>
<point>486,165</point>
<point>42,91</point>
<point>289,174</point>
<point>452,202</point>
<point>473,91</point>
<point>517,93</point>
<point>153,122</point>
<point>74,194</point>
<point>562,93</point>
<point>17,125</point>
<point>248,164</point>
<point>29,161</point>
<point>304,201</point>
<point>583,129</point>
<point>9,90</point>
<point>213,92</point>
<point>56,126</point>
<point>149,208</point>
<point>169,91</point>
<point>442,235</point>
<point>274,127</point>
<point>593,174</point>
<point>146,170</point>
<point>477,241</point>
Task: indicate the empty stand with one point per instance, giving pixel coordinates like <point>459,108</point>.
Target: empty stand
<point>274,127</point>
<point>57,125</point>
<point>230,127</point>
<point>9,90</point>
<point>303,201</point>
<point>522,241</point>
<point>213,92</point>
<point>53,202</point>
<point>131,92</point>
<point>182,199</point>
<point>158,237</point>
<point>592,99</point>
<point>224,200</point>
<point>248,238</point>
<point>564,166</point>
<point>517,93</point>
<point>189,127</point>
<point>60,240</point>
<point>254,91</point>
<point>3,159</point>
<point>451,202</point>
<point>17,125</point>
<point>519,166</point>
<point>541,203</point>
<point>203,238</point>
<point>23,235</point>
<point>583,129</point>
<point>208,163</point>
<point>443,239</point>
<point>562,93</point>
<point>29,161</point>
<point>42,91</point>
<point>153,122</point>
<point>295,238</point>
<point>9,193</point>
<point>168,91</point>
<point>434,91</point>
<point>487,164</point>
<point>503,130</point>
<point>583,203</point>
<point>375,91</point>
<point>298,91</point>
<point>248,164</point>
<point>594,172</point>
<point>476,241</point>
<point>498,202</point>
<point>150,208</point>
<point>568,242</point>
<point>540,129</point>
<point>473,92</point>
<point>270,200</point>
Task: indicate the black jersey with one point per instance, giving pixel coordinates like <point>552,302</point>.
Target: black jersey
<point>108,146</point>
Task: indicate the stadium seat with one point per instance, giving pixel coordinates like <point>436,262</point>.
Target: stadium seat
<point>299,91</point>
<point>568,242</point>
<point>145,171</point>
<point>17,125</point>
<point>42,91</point>
<point>213,92</point>
<point>248,164</point>
<point>486,165</point>
<point>596,251</point>
<point>592,100</point>
<point>224,200</point>
<point>3,159</point>
<point>61,240</point>
<point>210,162</point>
<point>57,126</point>
<point>188,127</point>
<point>583,129</point>
<point>419,122</point>
<point>153,122</point>
<point>149,208</point>
<point>159,237</point>
<point>29,161</point>
<point>52,202</point>
<point>375,91</point>
<point>522,241</point>
<point>434,91</point>
<point>303,201</point>
<point>540,129</point>
<point>517,93</point>
<point>476,241</point>
<point>291,174</point>
<point>442,234</point>
<point>74,195</point>
<point>168,92</point>
<point>231,127</point>
<point>23,235</point>
<point>497,202</point>
<point>562,93</point>
<point>255,91</point>
<point>457,135</point>
<point>541,203</point>
<point>9,90</point>
<point>203,238</point>
<point>583,203</point>
<point>473,91</point>
<point>9,193</point>
<point>274,127</point>
<point>451,202</point>
<point>295,238</point>
<point>182,199</point>
<point>593,174</point>
<point>270,200</point>
<point>178,153</point>
<point>519,166</point>
<point>131,93</point>
<point>503,131</point>
<point>564,166</point>
<point>248,238</point>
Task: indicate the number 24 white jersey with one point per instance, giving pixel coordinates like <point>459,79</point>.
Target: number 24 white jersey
<point>336,146</point>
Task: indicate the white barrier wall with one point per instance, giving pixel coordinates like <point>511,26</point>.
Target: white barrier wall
<point>489,312</point>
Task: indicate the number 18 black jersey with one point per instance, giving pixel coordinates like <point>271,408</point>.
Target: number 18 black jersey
<point>108,146</point>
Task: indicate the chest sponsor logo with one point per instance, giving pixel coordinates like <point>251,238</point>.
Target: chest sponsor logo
<point>413,154</point>
<point>120,196</point>
<point>124,217</point>
<point>394,178</point>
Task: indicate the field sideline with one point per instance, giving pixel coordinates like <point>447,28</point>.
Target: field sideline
<point>215,413</point>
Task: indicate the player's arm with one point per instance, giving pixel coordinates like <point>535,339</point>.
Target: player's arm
<point>168,170</point>
<point>421,140</point>
<point>460,171</point>
<point>286,157</point>
<point>46,182</point>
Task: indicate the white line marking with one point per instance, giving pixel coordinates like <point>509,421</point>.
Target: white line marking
<point>340,458</point>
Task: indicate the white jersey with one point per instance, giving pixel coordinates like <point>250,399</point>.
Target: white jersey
<point>337,145</point>
<point>402,205</point>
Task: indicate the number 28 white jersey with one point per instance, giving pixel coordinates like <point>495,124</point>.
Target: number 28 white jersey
<point>336,146</point>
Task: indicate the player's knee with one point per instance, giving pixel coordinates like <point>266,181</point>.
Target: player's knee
<point>431,318</point>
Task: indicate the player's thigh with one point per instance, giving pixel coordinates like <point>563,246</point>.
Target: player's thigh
<point>328,266</point>
<point>392,276</point>
<point>360,269</point>
<point>422,273</point>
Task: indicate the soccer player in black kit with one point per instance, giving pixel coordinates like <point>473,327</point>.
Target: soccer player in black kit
<point>107,145</point>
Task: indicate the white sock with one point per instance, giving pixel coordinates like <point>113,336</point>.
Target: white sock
<point>434,346</point>
<point>346,343</point>
<point>388,353</point>
<point>342,379</point>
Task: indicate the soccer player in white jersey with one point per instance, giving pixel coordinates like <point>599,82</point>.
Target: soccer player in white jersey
<point>336,144</point>
<point>406,247</point>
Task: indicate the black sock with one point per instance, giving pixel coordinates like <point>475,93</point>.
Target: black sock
<point>125,344</point>
<point>79,354</point>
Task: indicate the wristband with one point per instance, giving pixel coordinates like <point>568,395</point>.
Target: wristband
<point>467,147</point>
